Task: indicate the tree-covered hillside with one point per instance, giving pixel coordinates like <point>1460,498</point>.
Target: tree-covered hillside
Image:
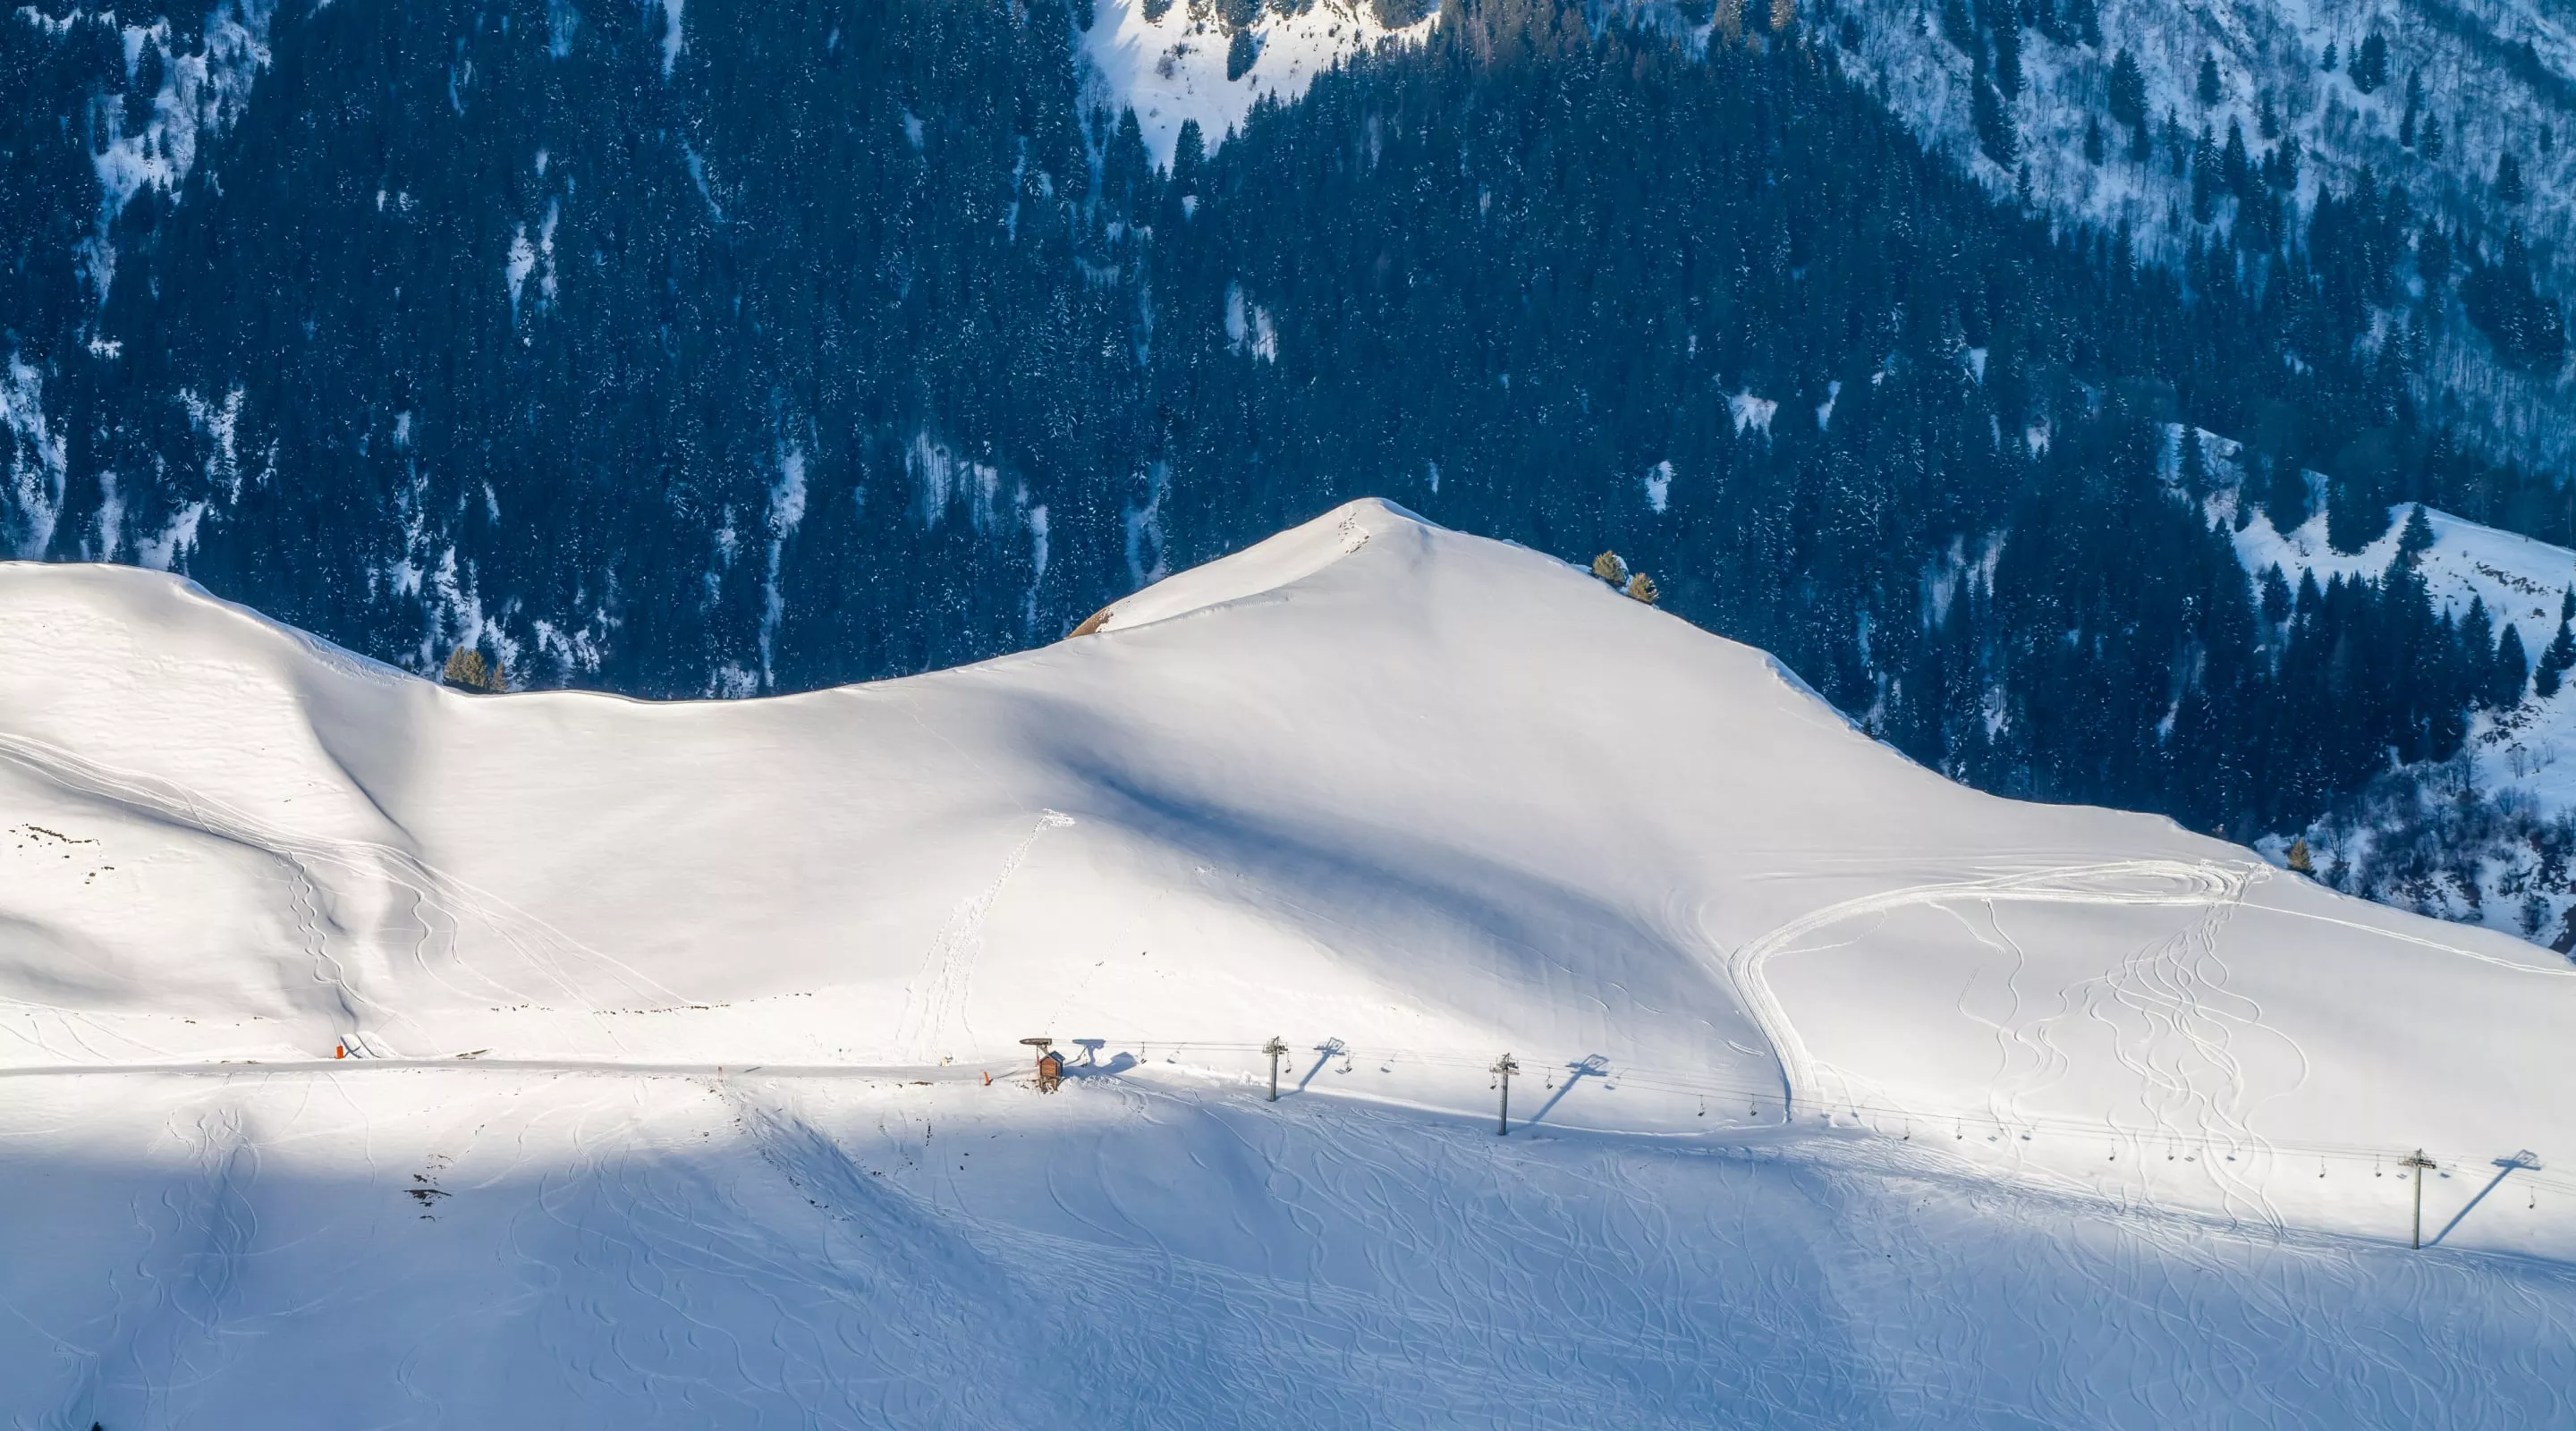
<point>2189,124</point>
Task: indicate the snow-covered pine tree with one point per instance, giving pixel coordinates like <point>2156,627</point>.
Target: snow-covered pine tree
<point>2370,63</point>
<point>1995,133</point>
<point>2128,91</point>
<point>2276,596</point>
<point>2233,164</point>
<point>2477,641</point>
<point>2559,654</point>
<point>2512,670</point>
<point>2416,539</point>
<point>2204,179</point>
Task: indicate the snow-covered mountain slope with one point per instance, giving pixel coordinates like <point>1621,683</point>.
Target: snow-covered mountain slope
<point>1169,63</point>
<point>2529,747</point>
<point>2496,77</point>
<point>477,1248</point>
<point>1907,1105</point>
<point>2483,837</point>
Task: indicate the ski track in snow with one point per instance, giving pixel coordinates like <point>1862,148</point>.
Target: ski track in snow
<point>766,1251</point>
<point>2170,1019</point>
<point>938,995</point>
<point>2132,882</point>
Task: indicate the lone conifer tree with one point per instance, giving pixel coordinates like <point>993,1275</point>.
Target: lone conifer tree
<point>2559,654</point>
<point>2235,166</point>
<point>2416,539</point>
<point>2128,92</point>
<point>1189,157</point>
<point>2512,670</point>
<point>2370,63</point>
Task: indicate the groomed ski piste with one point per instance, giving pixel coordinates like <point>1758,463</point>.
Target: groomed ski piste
<point>1848,1097</point>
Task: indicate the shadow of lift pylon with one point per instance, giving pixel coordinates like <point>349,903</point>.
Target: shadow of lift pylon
<point>2505,1167</point>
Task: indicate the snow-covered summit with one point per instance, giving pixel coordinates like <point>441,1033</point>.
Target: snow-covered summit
<point>1424,795</point>
<point>684,1082</point>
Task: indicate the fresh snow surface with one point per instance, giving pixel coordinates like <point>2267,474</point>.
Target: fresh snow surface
<point>1173,69</point>
<point>670,1027</point>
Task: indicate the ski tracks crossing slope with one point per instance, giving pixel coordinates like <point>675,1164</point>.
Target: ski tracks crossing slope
<point>2150,882</point>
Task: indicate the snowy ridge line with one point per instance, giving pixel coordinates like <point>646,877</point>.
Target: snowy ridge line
<point>2516,966</point>
<point>2102,1133</point>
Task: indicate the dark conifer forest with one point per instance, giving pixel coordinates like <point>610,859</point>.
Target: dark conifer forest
<point>844,341</point>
